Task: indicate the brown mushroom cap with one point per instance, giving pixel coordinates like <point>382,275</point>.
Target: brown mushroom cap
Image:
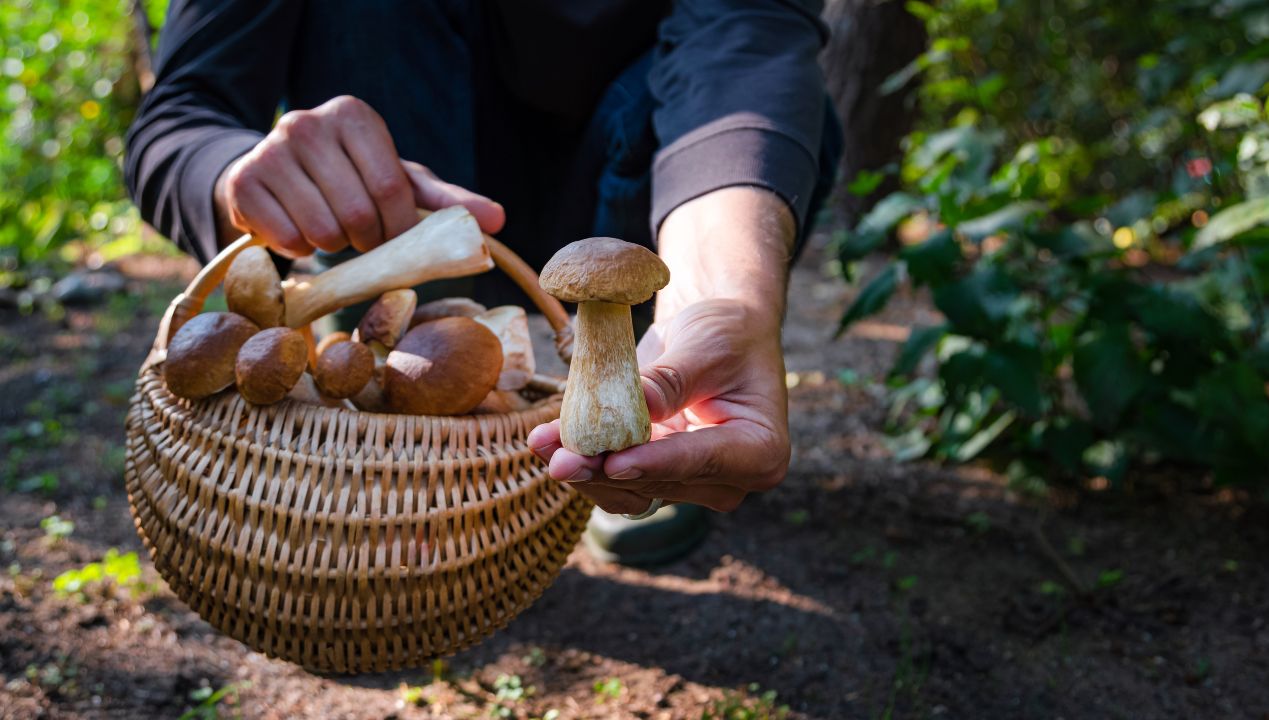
<point>443,367</point>
<point>344,369</point>
<point>336,337</point>
<point>269,365</point>
<point>604,269</point>
<point>253,288</point>
<point>446,307</point>
<point>201,355</point>
<point>387,320</point>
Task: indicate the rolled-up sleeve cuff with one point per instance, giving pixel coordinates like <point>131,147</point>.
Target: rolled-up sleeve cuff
<point>727,153</point>
<point>198,187</point>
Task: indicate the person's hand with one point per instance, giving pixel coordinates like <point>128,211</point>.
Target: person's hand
<point>713,376</point>
<point>330,177</point>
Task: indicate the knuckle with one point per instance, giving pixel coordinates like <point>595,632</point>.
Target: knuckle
<point>346,106</point>
<point>388,185</point>
<point>360,218</point>
<point>299,125</point>
<point>668,379</point>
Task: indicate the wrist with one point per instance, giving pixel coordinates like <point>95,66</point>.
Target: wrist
<point>731,244</point>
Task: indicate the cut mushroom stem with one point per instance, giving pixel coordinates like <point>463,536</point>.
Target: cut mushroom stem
<point>604,408</point>
<point>446,244</point>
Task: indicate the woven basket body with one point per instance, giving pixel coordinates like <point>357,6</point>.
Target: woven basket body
<point>340,540</point>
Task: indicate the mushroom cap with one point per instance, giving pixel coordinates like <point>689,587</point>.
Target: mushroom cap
<point>201,355</point>
<point>253,288</point>
<point>388,319</point>
<point>336,337</point>
<point>443,367</point>
<point>446,307</point>
<point>344,369</point>
<point>604,269</point>
<point>269,365</point>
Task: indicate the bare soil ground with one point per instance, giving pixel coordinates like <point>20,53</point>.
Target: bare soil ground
<point>861,588</point>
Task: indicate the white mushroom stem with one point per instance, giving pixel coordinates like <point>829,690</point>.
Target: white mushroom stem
<point>511,325</point>
<point>446,244</point>
<point>604,407</point>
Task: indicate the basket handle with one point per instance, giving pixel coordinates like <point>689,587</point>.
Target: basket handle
<point>190,302</point>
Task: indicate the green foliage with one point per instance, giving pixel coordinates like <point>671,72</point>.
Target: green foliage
<point>68,90</point>
<point>1095,180</point>
<point>609,689</point>
<point>124,570</point>
<point>209,701</point>
<point>753,705</point>
<point>56,528</point>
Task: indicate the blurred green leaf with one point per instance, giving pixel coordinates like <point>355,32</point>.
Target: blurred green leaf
<point>920,341</point>
<point>872,298</point>
<point>1109,373</point>
<point>1233,221</point>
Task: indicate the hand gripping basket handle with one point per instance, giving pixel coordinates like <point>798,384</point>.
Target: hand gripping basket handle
<point>189,303</point>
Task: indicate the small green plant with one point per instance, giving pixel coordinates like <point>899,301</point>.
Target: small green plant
<point>755,704</point>
<point>1110,578</point>
<point>978,522</point>
<point>124,570</point>
<point>797,518</point>
<point>209,701</point>
<point>608,689</point>
<point>58,676</point>
<point>508,691</point>
<point>56,529</point>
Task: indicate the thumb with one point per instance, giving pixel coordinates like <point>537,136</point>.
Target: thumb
<point>673,382</point>
<point>432,193</point>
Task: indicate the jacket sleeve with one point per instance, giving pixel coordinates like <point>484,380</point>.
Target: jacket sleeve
<point>739,100</point>
<point>220,76</point>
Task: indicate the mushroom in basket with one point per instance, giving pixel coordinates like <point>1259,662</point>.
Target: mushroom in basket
<point>442,367</point>
<point>201,356</point>
<point>604,407</point>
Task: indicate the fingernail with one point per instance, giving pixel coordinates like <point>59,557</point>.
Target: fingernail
<point>630,473</point>
<point>540,452</point>
<point>580,475</point>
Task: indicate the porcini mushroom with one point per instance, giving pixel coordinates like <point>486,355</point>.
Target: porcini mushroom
<point>604,408</point>
<point>511,325</point>
<point>446,307</point>
<point>380,328</point>
<point>269,364</point>
<point>344,369</point>
<point>446,244</point>
<point>201,355</point>
<point>387,320</point>
<point>336,337</point>
<point>253,288</point>
<point>443,367</point>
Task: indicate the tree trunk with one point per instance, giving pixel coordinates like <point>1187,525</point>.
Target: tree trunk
<point>871,40</point>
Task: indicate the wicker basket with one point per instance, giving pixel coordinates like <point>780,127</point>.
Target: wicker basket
<point>347,541</point>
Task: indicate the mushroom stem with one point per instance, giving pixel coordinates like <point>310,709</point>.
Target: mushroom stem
<point>604,407</point>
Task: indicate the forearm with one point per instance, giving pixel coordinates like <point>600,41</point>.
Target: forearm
<point>734,243</point>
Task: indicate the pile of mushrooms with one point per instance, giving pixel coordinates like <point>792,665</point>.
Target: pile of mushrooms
<point>448,357</point>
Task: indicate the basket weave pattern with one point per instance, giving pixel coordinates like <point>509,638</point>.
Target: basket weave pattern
<point>346,541</point>
<point>340,540</point>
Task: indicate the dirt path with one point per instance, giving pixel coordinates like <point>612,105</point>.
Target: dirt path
<point>861,588</point>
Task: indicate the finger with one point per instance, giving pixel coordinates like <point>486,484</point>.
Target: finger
<point>306,206</point>
<point>253,209</point>
<point>736,453</point>
<point>544,440</point>
<point>344,191</point>
<point>368,144</point>
<point>568,466</point>
<point>723,498</point>
<point>612,499</point>
<point>432,193</point>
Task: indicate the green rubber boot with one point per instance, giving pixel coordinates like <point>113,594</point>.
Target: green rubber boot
<point>668,535</point>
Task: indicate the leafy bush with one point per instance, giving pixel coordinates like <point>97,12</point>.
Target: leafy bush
<point>68,90</point>
<point>1086,201</point>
